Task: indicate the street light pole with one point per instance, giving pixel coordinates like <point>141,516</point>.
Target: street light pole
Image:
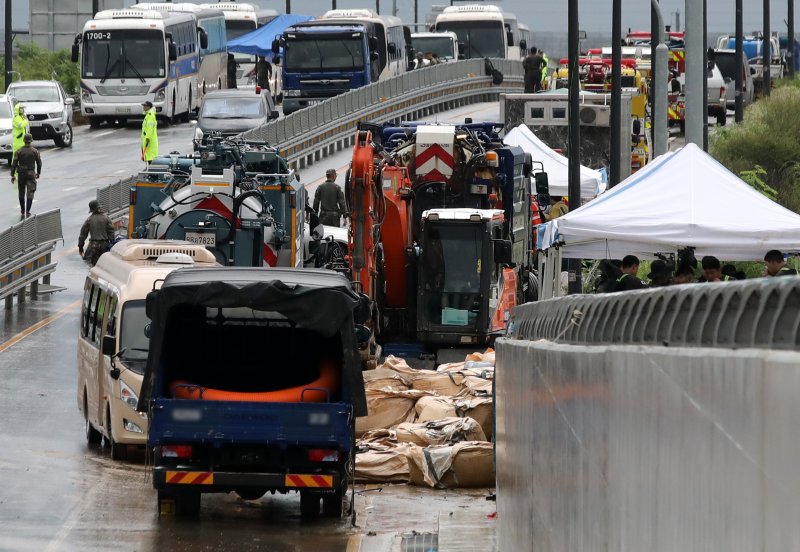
<point>739,61</point>
<point>574,140</point>
<point>616,91</point>
<point>694,118</point>
<point>766,51</point>
<point>8,46</point>
<point>790,39</point>
<point>288,6</point>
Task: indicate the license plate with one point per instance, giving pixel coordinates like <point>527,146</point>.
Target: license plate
<point>123,110</point>
<point>34,123</point>
<point>208,239</point>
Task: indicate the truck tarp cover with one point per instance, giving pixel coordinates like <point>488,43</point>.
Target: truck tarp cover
<point>318,300</point>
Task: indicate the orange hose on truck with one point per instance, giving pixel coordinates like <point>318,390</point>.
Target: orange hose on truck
<point>315,391</point>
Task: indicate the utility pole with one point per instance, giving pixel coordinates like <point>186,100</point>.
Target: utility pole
<point>738,61</point>
<point>616,91</point>
<point>288,6</point>
<point>705,80</point>
<point>574,141</point>
<point>416,12</point>
<point>659,84</point>
<point>8,45</point>
<point>766,51</point>
<point>333,4</point>
<point>95,7</point>
<point>678,21</point>
<point>655,33</point>
<point>378,6</point>
<point>790,39</point>
<point>694,118</point>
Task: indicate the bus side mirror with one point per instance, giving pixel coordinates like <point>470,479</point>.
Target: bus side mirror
<point>392,49</point>
<point>461,49</point>
<point>373,43</point>
<point>510,38</point>
<point>173,51</point>
<point>203,38</point>
<point>502,252</point>
<point>276,46</point>
<point>74,53</point>
<point>109,345</point>
<point>523,46</point>
<point>542,183</point>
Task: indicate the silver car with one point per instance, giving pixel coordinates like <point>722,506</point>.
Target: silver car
<point>48,108</point>
<point>6,134</point>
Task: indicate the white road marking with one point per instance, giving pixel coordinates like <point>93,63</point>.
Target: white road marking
<point>70,188</point>
<point>106,133</point>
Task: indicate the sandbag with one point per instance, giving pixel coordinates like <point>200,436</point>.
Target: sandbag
<point>387,408</point>
<point>481,409</point>
<point>382,463</point>
<point>447,431</point>
<point>432,408</point>
<point>442,383</point>
<point>384,377</point>
<point>466,464</point>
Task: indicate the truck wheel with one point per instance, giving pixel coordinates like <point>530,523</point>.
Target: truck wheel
<point>309,505</point>
<point>722,117</point>
<point>333,504</point>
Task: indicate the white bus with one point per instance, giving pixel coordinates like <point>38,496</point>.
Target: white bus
<point>129,56</point>
<point>480,27</point>
<point>393,39</point>
<point>112,339</point>
<point>241,19</point>
<point>213,71</point>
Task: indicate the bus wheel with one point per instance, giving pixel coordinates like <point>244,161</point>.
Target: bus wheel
<point>185,116</point>
<point>333,504</point>
<point>116,450</point>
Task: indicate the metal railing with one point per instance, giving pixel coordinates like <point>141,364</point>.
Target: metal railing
<point>26,254</point>
<point>115,199</point>
<point>759,313</point>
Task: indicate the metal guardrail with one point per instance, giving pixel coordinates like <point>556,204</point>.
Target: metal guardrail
<point>26,253</point>
<point>759,313</point>
<point>115,200</point>
<point>312,133</point>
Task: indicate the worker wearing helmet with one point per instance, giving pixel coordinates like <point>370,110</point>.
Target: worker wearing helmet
<point>27,165</point>
<point>329,201</point>
<point>100,231</point>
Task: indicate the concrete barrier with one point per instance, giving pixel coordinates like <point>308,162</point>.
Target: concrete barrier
<point>648,447</point>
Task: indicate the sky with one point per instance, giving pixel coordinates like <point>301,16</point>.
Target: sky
<point>540,15</point>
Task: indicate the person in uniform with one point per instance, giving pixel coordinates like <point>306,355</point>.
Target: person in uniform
<point>27,164</point>
<point>149,133</point>
<point>100,231</point>
<point>532,66</point>
<point>776,265</point>
<point>629,280</point>
<point>329,201</point>
<point>263,72</point>
<point>19,127</point>
<point>660,274</point>
<point>712,270</point>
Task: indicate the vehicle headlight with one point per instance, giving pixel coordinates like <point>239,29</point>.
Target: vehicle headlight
<point>291,93</point>
<point>86,96</point>
<point>127,395</point>
<point>53,115</point>
<point>161,94</point>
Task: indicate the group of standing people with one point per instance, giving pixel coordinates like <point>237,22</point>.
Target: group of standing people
<point>622,275</point>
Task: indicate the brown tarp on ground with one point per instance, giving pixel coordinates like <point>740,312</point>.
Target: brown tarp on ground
<point>447,431</point>
<point>466,464</point>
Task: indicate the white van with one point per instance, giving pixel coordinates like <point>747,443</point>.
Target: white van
<point>112,339</point>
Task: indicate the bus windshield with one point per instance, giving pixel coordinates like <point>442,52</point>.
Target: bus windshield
<point>481,38</point>
<point>239,27</point>
<point>332,53</point>
<point>442,46</point>
<point>125,53</point>
<point>132,338</point>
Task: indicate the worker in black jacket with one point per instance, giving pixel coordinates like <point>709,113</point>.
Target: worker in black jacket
<point>27,164</point>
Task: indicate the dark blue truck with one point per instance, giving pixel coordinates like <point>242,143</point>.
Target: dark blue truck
<point>252,385</point>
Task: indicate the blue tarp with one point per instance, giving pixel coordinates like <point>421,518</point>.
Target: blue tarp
<point>259,42</point>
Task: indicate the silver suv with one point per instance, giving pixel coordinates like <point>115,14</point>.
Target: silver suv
<point>48,108</point>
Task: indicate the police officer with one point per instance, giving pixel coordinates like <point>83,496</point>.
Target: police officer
<point>27,163</point>
<point>329,200</point>
<point>149,133</point>
<point>20,126</point>
<point>100,230</point>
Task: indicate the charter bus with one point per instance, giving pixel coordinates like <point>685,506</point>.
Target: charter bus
<point>213,70</point>
<point>517,46</point>
<point>128,56</point>
<point>112,339</point>
<point>342,50</point>
<point>480,27</point>
<point>241,19</point>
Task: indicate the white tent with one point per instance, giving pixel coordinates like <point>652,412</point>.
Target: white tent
<point>682,199</point>
<point>555,165</point>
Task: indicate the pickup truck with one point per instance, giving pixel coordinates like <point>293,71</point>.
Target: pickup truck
<point>252,385</point>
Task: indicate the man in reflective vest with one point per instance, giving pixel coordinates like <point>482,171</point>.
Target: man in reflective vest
<point>149,133</point>
<point>20,127</point>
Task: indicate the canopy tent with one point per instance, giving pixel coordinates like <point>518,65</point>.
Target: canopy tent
<point>682,199</point>
<point>555,165</point>
<point>259,42</point>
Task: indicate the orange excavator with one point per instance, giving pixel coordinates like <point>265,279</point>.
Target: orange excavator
<point>440,234</point>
